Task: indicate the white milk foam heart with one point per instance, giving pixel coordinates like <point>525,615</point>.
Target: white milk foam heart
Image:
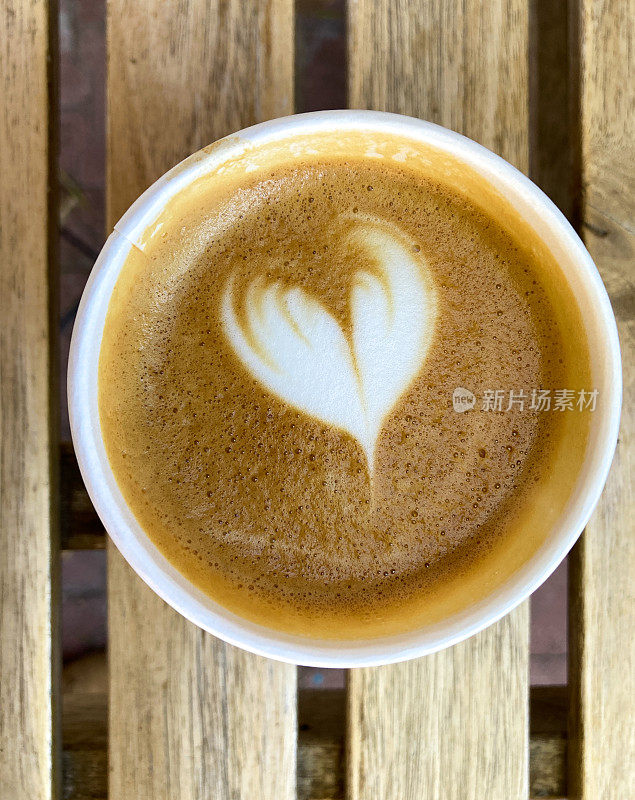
<point>298,350</point>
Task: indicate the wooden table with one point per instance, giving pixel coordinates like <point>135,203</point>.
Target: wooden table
<point>189,716</point>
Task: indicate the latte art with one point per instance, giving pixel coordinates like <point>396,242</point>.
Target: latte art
<point>298,350</point>
<point>276,386</point>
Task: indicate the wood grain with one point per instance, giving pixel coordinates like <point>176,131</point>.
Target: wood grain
<point>28,531</point>
<point>602,620</point>
<point>453,725</point>
<point>459,64</point>
<point>190,717</point>
<point>321,714</point>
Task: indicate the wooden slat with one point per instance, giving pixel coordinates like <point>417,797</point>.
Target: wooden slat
<point>602,620</point>
<point>454,724</point>
<point>321,722</point>
<point>189,716</point>
<point>28,533</point>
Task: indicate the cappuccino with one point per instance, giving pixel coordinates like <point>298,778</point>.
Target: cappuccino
<point>278,386</point>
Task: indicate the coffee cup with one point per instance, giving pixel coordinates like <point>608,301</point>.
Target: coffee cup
<point>534,208</point>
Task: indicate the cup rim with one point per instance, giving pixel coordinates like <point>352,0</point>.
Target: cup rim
<point>142,554</point>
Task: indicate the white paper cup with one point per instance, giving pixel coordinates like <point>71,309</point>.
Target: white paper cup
<point>153,567</point>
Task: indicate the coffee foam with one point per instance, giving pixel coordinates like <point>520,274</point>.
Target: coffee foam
<point>265,498</point>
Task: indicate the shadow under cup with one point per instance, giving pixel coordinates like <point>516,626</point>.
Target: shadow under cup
<point>494,593</point>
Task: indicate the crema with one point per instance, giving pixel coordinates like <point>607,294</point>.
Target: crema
<point>277,387</point>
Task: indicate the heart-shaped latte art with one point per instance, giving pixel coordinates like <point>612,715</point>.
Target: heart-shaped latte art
<point>299,352</point>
